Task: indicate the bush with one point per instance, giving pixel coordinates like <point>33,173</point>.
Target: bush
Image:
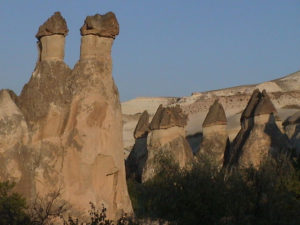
<point>12,206</point>
<point>205,195</point>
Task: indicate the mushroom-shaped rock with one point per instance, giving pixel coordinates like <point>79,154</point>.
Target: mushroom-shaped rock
<point>168,117</point>
<point>101,25</point>
<point>166,136</point>
<point>261,137</point>
<point>215,138</point>
<point>98,34</point>
<point>215,116</point>
<point>56,24</point>
<point>51,36</point>
<point>94,129</point>
<point>142,127</point>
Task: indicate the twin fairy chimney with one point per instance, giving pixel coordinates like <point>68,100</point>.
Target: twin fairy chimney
<point>215,139</point>
<point>64,132</point>
<point>164,136</point>
<point>259,136</point>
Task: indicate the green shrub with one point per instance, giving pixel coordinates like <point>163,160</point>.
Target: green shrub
<point>12,206</point>
<point>205,195</point>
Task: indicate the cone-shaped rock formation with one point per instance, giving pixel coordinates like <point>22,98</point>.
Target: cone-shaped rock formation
<point>142,127</point>
<point>259,136</point>
<point>167,136</point>
<point>215,116</point>
<point>135,162</point>
<point>168,117</point>
<point>215,139</point>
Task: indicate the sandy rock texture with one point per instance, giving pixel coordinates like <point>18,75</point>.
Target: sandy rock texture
<point>259,136</point>
<point>292,129</point>
<point>215,139</point>
<point>64,131</point>
<point>142,127</point>
<point>284,94</point>
<point>167,136</point>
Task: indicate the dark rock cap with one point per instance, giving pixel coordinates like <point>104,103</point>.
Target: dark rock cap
<point>215,116</point>
<point>252,103</point>
<point>293,119</point>
<point>265,105</point>
<point>168,117</point>
<point>142,127</point>
<point>56,24</point>
<point>102,25</point>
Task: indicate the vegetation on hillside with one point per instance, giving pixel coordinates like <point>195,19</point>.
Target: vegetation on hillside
<point>47,211</point>
<point>204,195</point>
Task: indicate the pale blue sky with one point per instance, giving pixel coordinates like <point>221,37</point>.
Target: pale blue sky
<point>165,47</point>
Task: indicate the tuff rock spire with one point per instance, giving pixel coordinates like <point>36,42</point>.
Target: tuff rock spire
<point>215,116</point>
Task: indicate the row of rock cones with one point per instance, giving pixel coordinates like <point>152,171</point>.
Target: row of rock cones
<point>258,138</point>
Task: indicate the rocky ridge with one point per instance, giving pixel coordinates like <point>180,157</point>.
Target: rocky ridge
<point>283,92</point>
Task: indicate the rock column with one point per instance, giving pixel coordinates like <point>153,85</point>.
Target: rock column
<point>167,136</point>
<point>215,139</point>
<point>259,136</point>
<point>94,165</point>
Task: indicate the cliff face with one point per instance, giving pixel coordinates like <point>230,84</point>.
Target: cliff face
<point>64,131</point>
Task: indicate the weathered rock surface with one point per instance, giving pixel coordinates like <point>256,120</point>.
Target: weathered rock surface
<point>264,106</point>
<point>101,25</point>
<point>215,139</point>
<point>250,108</point>
<point>168,117</point>
<point>45,99</point>
<point>167,136</point>
<point>259,136</point>
<point>135,162</point>
<point>292,129</point>
<point>56,24</point>
<point>170,142</point>
<point>215,116</point>
<point>284,94</point>
<point>142,127</point>
<point>64,132</point>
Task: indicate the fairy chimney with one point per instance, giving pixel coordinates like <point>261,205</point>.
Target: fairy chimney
<point>51,38</point>
<point>98,33</point>
<point>215,138</point>
<point>93,131</point>
<point>259,137</point>
<point>167,136</point>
